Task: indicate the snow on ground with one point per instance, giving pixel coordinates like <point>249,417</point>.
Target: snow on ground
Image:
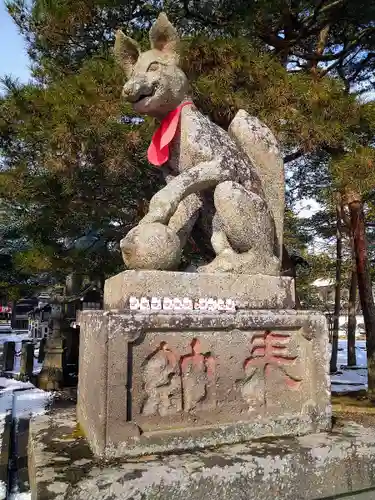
<point>19,399</point>
<point>3,490</point>
<point>349,380</point>
<point>360,353</point>
<point>31,402</point>
<point>20,496</point>
<point>343,326</point>
<point>13,337</point>
<point>10,384</point>
<point>18,338</point>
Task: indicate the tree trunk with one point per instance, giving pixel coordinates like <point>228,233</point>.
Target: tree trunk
<point>335,332</point>
<point>330,327</point>
<point>289,269</point>
<point>364,286</point>
<point>352,320</point>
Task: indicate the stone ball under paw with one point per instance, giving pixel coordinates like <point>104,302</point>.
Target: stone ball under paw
<point>151,246</point>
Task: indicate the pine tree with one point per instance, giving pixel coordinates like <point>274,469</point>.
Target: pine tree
<point>73,174</point>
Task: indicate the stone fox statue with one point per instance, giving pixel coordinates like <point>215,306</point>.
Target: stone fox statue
<point>230,183</point>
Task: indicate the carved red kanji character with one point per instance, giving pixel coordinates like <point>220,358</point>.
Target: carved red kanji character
<point>161,383</point>
<point>268,350</point>
<point>197,370</point>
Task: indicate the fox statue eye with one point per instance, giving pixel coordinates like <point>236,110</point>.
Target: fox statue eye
<point>153,66</point>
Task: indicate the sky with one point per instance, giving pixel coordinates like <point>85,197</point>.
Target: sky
<point>13,56</point>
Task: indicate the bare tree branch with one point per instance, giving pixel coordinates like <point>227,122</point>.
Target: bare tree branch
<point>339,55</point>
<point>294,156</point>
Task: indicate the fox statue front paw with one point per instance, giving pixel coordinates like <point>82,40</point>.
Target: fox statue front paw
<point>153,217</point>
<point>151,246</point>
<point>161,208</point>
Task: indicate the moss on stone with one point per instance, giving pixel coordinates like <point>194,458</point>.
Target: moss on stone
<point>76,434</point>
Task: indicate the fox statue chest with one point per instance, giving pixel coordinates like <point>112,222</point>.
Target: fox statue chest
<point>198,140</point>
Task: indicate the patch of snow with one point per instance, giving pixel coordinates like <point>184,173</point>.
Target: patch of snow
<point>19,399</point>
<point>3,490</point>
<point>9,384</point>
<point>17,339</point>
<point>360,352</point>
<point>350,377</point>
<point>6,403</point>
<point>349,380</point>
<point>32,402</point>
<point>343,325</point>
<point>13,337</point>
<point>322,283</point>
<point>20,496</point>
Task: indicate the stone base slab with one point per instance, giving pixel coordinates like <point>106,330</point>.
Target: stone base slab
<point>161,382</point>
<point>314,467</point>
<point>251,292</point>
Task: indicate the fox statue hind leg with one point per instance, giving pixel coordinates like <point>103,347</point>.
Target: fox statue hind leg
<point>240,246</point>
<point>247,233</point>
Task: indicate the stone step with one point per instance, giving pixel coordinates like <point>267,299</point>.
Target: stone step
<point>19,477</point>
<point>5,438</point>
<point>313,467</point>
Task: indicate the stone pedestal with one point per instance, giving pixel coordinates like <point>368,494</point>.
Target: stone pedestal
<point>157,381</point>
<point>250,292</point>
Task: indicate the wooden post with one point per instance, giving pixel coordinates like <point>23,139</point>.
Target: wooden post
<point>42,350</point>
<point>27,360</point>
<point>9,351</point>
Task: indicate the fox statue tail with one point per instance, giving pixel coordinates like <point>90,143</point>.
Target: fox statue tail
<point>260,145</point>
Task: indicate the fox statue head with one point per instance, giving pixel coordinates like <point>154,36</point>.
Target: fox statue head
<point>155,85</point>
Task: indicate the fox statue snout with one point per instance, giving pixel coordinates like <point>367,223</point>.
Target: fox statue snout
<point>138,91</point>
<point>156,85</point>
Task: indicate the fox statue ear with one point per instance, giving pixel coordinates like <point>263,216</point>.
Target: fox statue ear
<point>164,36</point>
<point>126,52</point>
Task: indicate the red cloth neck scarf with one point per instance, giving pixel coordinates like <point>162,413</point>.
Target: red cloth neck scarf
<point>158,151</point>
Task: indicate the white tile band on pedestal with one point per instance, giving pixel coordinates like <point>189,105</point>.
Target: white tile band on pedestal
<point>208,304</point>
